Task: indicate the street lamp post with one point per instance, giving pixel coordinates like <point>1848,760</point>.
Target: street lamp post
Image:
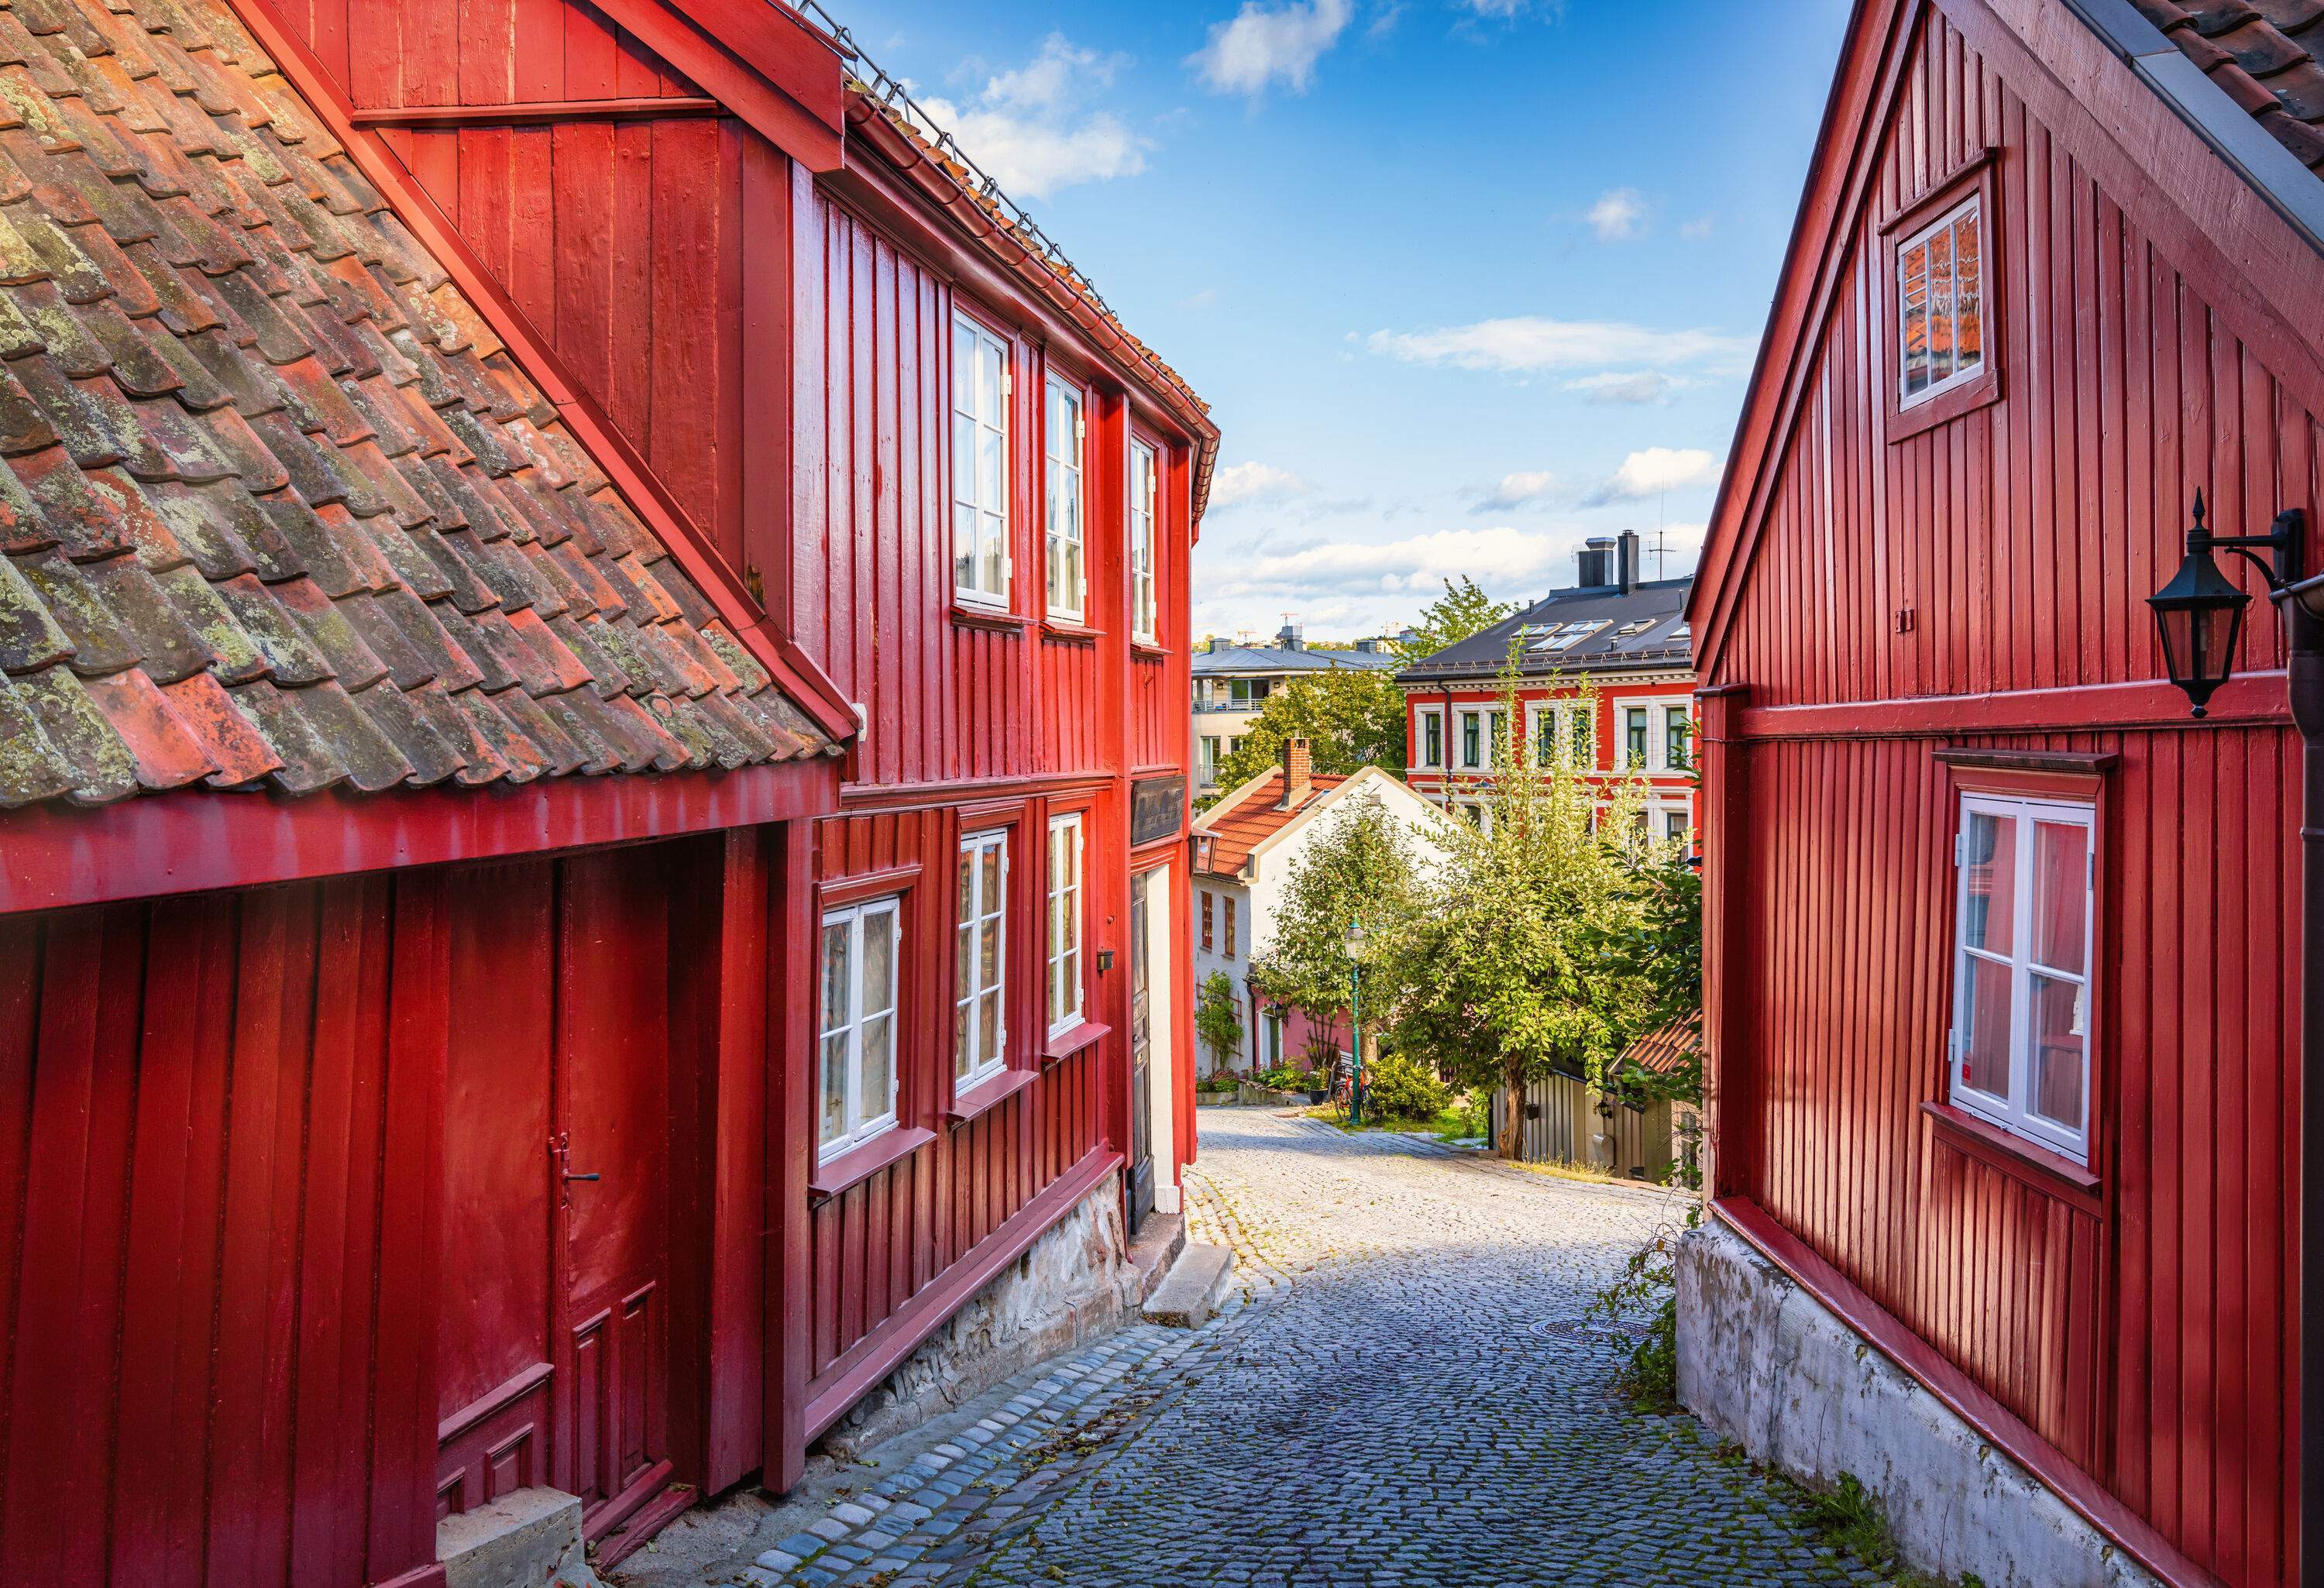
<point>1355,944</point>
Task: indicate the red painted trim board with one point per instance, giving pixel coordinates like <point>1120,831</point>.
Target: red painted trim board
<point>192,840</point>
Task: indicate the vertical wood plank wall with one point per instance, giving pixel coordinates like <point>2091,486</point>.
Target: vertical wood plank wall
<point>217,1359</point>
<point>2148,1344</point>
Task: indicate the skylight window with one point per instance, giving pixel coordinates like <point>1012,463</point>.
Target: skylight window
<point>1636,625</point>
<point>1575,633</point>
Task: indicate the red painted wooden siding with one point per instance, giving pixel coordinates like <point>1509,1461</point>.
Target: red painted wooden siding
<point>2147,1342</point>
<point>216,1217</point>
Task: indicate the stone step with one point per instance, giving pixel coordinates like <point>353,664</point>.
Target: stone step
<point>1189,1298</point>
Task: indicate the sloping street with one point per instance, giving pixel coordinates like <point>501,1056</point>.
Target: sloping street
<point>1403,1389</point>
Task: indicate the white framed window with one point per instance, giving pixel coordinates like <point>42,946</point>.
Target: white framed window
<point>980,1015</point>
<point>1581,737</point>
<point>1674,826</point>
<point>980,464</point>
<point>1678,737</point>
<point>1062,501</point>
<point>1634,739</point>
<point>857,1089</point>
<point>1066,923</point>
<point>1476,739</point>
<point>1940,304</point>
<point>2020,1036</point>
<point>1145,502</point>
<point>1207,761</point>
<point>1432,737</point>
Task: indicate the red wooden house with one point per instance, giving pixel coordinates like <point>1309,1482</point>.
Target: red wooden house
<point>592,766</point>
<point>2003,947</point>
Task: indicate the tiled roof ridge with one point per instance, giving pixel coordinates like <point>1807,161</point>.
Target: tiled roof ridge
<point>2264,54</point>
<point>277,507</point>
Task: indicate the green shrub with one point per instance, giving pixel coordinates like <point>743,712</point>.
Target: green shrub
<point>1286,1078</point>
<point>1397,1089</point>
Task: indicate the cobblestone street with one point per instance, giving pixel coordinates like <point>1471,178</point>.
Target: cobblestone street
<point>1401,1391</point>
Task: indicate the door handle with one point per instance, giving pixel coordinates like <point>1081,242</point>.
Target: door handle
<point>589,1177</point>
<point>560,1148</point>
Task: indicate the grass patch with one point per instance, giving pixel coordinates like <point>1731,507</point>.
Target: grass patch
<point>1851,1519</point>
<point>1570,1171</point>
<point>1330,1114</point>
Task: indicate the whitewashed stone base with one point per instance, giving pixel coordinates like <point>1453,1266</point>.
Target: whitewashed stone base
<point>1073,1285</point>
<point>1766,1364</point>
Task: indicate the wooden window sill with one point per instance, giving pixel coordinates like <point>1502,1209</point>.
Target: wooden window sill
<point>859,1164</point>
<point>1150,650</point>
<point>1072,1039</point>
<point>987,1093</point>
<point>1065,628</point>
<point>2035,1166</point>
<point>1946,406</point>
<point>994,618</point>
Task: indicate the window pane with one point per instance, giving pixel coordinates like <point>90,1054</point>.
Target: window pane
<point>1941,305</point>
<point>2060,1033</point>
<point>988,467</point>
<point>988,381</point>
<point>879,962</point>
<point>837,967</point>
<point>834,1086</point>
<point>963,545</point>
<point>1968,292</point>
<point>1069,971</point>
<point>2060,892</point>
<point>964,366</point>
<point>964,973</point>
<point>967,894</point>
<point>964,1057</point>
<point>988,1026</point>
<point>1985,1052</point>
<point>878,1094</point>
<point>989,881</point>
<point>994,549</point>
<point>1989,902</point>
<point>988,960</point>
<point>1913,289</point>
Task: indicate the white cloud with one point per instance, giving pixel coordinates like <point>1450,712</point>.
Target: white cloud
<point>1522,344</point>
<point>1207,298</point>
<point>1020,127</point>
<point>1515,490</point>
<point>1619,214</point>
<point>1654,471</point>
<point>1634,389</point>
<point>1051,77</point>
<point>1240,483</point>
<point>1415,566</point>
<point>1697,229</point>
<point>1263,43</point>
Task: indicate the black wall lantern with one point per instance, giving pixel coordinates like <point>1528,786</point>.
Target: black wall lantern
<point>2200,611</point>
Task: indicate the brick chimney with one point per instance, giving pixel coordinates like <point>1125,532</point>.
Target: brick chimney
<point>1298,772</point>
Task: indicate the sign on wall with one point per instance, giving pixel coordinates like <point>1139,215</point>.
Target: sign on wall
<point>1156,806</point>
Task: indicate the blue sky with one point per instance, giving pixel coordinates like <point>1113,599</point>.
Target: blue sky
<point>1463,280</point>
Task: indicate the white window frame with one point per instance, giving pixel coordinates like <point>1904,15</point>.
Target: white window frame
<point>1485,726</point>
<point>1424,717</point>
<point>1582,721</point>
<point>1145,507</point>
<point>2013,1112</point>
<point>1960,376</point>
<point>1064,504</point>
<point>1067,901</point>
<point>1208,754</point>
<point>1680,742</point>
<point>858,919</point>
<point>1643,759</point>
<point>970,423</point>
<point>971,1064</point>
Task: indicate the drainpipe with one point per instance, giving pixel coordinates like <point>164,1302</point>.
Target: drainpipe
<point>2305,674</point>
<point>1447,786</point>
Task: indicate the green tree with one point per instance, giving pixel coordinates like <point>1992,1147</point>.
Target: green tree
<point>1218,1019</point>
<point>1362,866</point>
<point>1508,974</point>
<point>1658,951</point>
<point>1459,612</point>
<point>1351,718</point>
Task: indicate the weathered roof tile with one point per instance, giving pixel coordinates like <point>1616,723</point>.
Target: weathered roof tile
<point>275,501</point>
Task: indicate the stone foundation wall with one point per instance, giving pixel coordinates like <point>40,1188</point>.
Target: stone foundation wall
<point>1766,1364</point>
<point>1073,1285</point>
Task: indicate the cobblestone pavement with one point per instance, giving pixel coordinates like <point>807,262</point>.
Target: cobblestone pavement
<point>1401,1391</point>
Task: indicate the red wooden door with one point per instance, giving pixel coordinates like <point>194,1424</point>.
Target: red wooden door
<point>614,1124</point>
<point>553,1333</point>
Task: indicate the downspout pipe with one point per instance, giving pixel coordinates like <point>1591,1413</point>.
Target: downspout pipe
<point>2304,672</point>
